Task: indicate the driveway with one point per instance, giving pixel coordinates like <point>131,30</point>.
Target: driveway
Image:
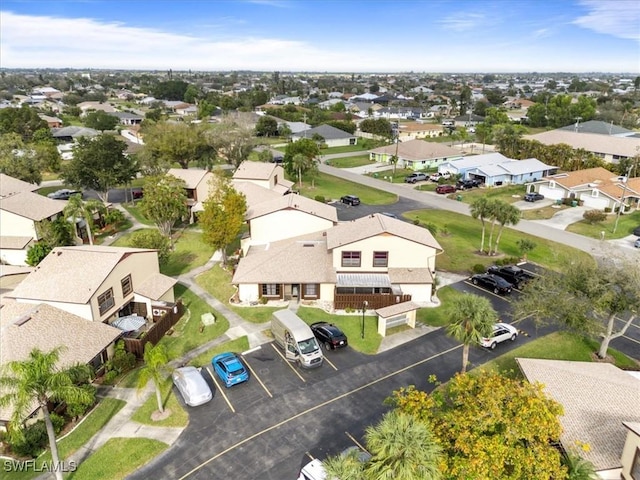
<point>564,218</point>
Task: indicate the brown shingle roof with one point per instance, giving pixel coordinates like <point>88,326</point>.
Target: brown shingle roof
<point>155,286</point>
<point>191,176</point>
<point>376,224</point>
<point>10,186</point>
<point>32,206</point>
<point>596,175</point>
<point>254,171</point>
<point>295,202</point>
<point>418,150</point>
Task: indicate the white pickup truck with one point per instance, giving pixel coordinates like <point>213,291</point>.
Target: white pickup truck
<point>437,176</point>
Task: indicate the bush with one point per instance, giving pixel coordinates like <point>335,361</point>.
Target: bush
<point>36,253</point>
<point>110,377</point>
<point>33,439</point>
<point>320,198</point>
<point>594,216</point>
<point>478,268</point>
<point>77,409</point>
<point>114,216</point>
<point>122,361</point>
<point>152,239</point>
<point>607,209</point>
<point>433,228</point>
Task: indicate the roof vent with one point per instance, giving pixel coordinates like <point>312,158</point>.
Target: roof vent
<point>22,320</point>
<point>308,245</point>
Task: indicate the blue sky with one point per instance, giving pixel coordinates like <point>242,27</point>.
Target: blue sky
<point>324,35</point>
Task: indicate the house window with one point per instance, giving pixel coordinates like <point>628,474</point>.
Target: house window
<point>594,193</point>
<point>552,184</point>
<point>311,290</point>
<point>380,259</point>
<point>350,259</point>
<point>271,290</point>
<point>106,301</point>
<point>127,285</point>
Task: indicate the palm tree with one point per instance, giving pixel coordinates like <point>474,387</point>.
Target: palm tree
<point>76,208</point>
<point>471,318</point>
<point>300,163</point>
<point>403,448</point>
<point>578,468</point>
<point>481,208</point>
<point>155,368</point>
<point>505,214</point>
<point>36,381</point>
<point>343,466</point>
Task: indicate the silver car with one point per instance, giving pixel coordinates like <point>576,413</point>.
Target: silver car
<point>192,386</point>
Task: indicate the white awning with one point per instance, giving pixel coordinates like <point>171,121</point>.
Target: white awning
<point>378,280</point>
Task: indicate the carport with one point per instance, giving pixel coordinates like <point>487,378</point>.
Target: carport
<point>395,315</point>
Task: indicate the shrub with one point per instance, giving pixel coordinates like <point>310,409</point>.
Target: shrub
<point>33,439</point>
<point>113,217</point>
<point>36,253</point>
<point>594,216</point>
<point>320,198</point>
<point>110,377</point>
<point>433,228</point>
<point>478,268</point>
<point>607,209</point>
<point>122,361</point>
<point>263,300</point>
<point>77,409</point>
<point>152,239</point>
<point>416,221</point>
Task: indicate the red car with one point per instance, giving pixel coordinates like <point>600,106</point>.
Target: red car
<point>445,189</point>
<point>137,194</point>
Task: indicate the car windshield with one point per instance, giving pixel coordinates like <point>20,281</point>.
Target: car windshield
<point>308,346</point>
<point>234,367</point>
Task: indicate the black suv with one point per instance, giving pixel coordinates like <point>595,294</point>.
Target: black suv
<point>350,200</point>
<point>533,197</point>
<point>467,184</point>
<point>329,335</point>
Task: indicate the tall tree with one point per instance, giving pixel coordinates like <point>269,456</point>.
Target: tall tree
<point>27,161</point>
<point>505,214</point>
<point>223,216</point>
<point>482,208</point>
<point>471,318</point>
<point>234,139</point>
<point>403,448</point>
<point>306,147</point>
<point>99,164</point>
<point>490,426</point>
<point>300,164</point>
<point>23,121</point>
<point>37,381</point>
<point>164,202</point>
<point>76,208</point>
<point>594,298</point>
<point>100,120</point>
<point>155,368</point>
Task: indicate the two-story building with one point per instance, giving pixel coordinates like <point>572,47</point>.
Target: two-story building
<point>419,130</point>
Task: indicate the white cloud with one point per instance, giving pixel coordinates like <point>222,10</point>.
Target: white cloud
<point>619,18</point>
<point>463,21</point>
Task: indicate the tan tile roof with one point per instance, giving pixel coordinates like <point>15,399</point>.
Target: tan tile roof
<point>605,181</point>
<point>293,202</point>
<point>28,326</point>
<point>410,275</point>
<point>155,286</point>
<point>255,194</point>
<point>418,150</point>
<point>376,224</point>
<point>191,176</point>
<point>6,270</point>
<point>32,206</point>
<point>15,243</point>
<point>254,171</point>
<point>71,274</point>
<point>591,142</point>
<point>397,309</point>
<point>303,259</point>
<point>10,185</point>
<point>597,398</point>
<point>419,127</point>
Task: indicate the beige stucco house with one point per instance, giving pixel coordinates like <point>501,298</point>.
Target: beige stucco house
<point>199,184</point>
<point>415,154</point>
<point>269,176</point>
<point>419,130</point>
<point>21,210</point>
<point>596,188</point>
<point>631,454</point>
<point>98,283</point>
<point>376,258</point>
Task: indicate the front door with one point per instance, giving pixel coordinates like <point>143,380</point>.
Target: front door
<point>295,289</point>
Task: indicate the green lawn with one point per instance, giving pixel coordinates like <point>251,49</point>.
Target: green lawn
<point>237,345</point>
<point>556,346</point>
<point>135,212</point>
<point>118,458</point>
<point>626,223</point>
<point>346,149</point>
<point>459,236</point>
<point>93,423</point>
<point>542,213</point>
<point>178,417</point>
<point>436,317</point>
<point>351,325</point>
<point>507,193</point>
<point>350,162</point>
<point>331,187</point>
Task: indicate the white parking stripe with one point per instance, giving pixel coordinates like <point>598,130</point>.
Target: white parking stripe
<point>329,362</point>
<point>356,442</point>
<point>288,363</point>
<point>487,291</point>
<point>257,378</point>
<point>220,390</point>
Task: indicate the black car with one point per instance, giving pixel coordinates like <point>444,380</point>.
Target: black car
<point>467,184</point>
<point>533,197</point>
<point>329,335</point>
<point>513,274</point>
<point>350,200</point>
<point>636,231</point>
<point>492,283</point>
<point>277,159</point>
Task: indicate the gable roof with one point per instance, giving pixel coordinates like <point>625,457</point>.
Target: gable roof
<point>10,185</point>
<point>418,150</point>
<point>293,202</point>
<point>377,224</point>
<point>591,142</point>
<point>325,131</point>
<point>74,132</point>
<point>155,286</point>
<point>63,275</point>
<point>32,205</point>
<point>597,175</point>
<point>249,170</point>
<point>597,398</point>
<point>191,176</point>
<point>255,194</point>
<point>599,127</point>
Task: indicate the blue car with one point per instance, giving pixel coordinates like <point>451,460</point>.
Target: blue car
<point>229,369</point>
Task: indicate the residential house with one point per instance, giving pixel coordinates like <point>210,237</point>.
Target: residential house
<point>24,327</point>
<point>87,107</point>
<point>419,130</point>
<point>596,188</point>
<point>610,148</point>
<point>631,453</point>
<point>127,118</point>
<point>294,127</point>
<point>599,127</point>
<point>99,283</point>
<point>52,122</point>
<point>377,259</point>
<point>21,212</point>
<point>399,113</point>
<point>198,186</point>
<point>363,109</point>
<point>332,136</point>
<point>599,399</point>
<point>415,154</point>
<point>496,169</point>
<point>468,120</point>
<point>269,176</point>
<point>71,133</point>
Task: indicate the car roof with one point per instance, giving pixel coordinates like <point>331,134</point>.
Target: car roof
<point>503,325</point>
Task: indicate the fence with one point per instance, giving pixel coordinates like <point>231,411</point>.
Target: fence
<point>164,318</point>
<point>342,301</point>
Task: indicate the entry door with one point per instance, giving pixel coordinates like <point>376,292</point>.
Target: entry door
<point>291,350</point>
<point>295,290</point>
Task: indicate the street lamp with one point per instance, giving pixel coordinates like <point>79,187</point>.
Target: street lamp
<point>365,304</point>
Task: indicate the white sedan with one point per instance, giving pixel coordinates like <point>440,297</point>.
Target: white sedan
<point>192,386</point>
<point>501,333</point>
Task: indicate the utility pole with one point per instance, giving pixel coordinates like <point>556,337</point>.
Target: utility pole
<point>624,192</point>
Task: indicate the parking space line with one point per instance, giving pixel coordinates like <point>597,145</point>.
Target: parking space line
<point>311,457</point>
<point>316,407</point>
<point>258,378</point>
<point>625,321</point>
<point>502,297</point>
<point>220,390</point>
<point>288,363</point>
<point>356,442</point>
<point>632,339</point>
<point>332,365</point>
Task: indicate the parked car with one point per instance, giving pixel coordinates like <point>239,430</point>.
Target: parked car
<point>533,197</point>
<point>435,177</point>
<point>467,184</point>
<point>230,369</point>
<point>64,194</point>
<point>415,177</point>
<point>501,333</point>
<point>193,388</point>
<point>636,231</point>
<point>329,335</point>
<point>492,283</point>
<point>277,159</point>
<point>314,470</point>
<point>445,189</point>
<point>637,243</point>
<point>516,276</point>
<point>137,194</point>
<point>350,200</point>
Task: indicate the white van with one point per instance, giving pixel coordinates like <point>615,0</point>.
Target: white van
<point>296,338</point>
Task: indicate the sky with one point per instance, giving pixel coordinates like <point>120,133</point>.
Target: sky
<point>352,36</point>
